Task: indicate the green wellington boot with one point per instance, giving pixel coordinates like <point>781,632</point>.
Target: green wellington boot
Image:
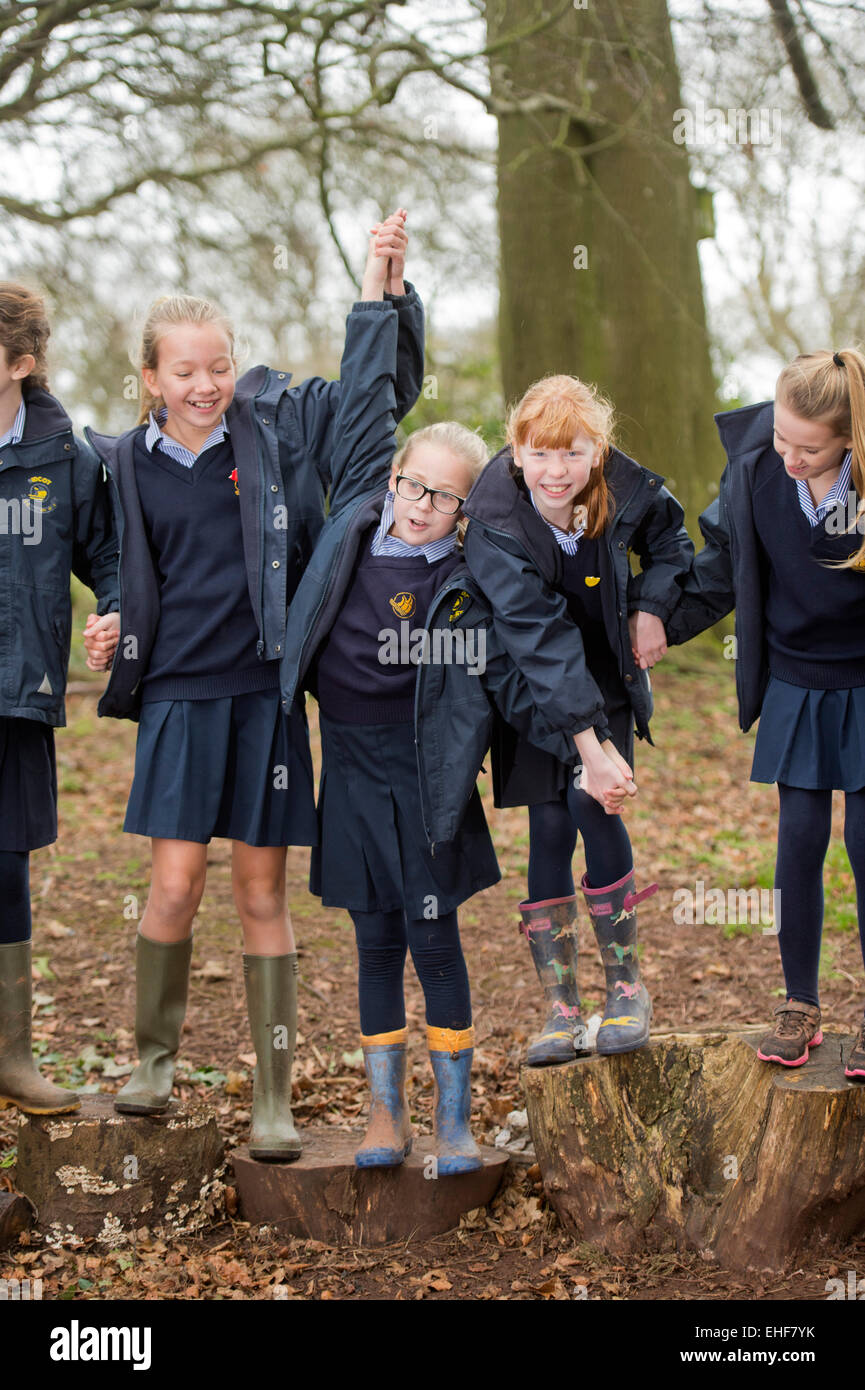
<point>161,990</point>
<point>271,997</point>
<point>20,1081</point>
<point>628,1009</point>
<point>550,927</point>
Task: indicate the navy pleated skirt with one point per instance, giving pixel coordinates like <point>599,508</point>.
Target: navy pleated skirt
<point>811,738</point>
<point>28,785</point>
<point>236,768</point>
<point>373,854</point>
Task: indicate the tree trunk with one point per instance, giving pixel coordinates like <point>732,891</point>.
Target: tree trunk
<point>631,318</point>
<point>98,1173</point>
<point>694,1143</point>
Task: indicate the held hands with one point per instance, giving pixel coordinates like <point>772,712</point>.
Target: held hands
<point>101,636</point>
<point>385,262</point>
<point>606,777</point>
<point>648,638</point>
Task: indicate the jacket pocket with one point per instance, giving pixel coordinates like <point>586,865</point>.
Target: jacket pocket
<point>35,676</point>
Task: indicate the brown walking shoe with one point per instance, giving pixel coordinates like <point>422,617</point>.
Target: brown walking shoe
<point>855,1066</point>
<point>797,1029</point>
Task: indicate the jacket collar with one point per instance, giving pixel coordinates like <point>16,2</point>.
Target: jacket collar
<point>748,430</point>
<point>45,416</point>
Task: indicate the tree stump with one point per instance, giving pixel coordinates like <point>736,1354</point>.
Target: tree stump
<point>693,1143</point>
<point>322,1196</point>
<point>98,1173</point>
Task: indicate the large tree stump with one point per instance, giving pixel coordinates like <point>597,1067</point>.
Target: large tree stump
<point>694,1143</point>
<point>98,1173</point>
<point>324,1197</point>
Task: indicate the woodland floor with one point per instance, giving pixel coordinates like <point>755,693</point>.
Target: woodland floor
<point>697,817</point>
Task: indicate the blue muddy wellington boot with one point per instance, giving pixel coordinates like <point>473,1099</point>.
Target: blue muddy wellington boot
<point>387,1141</point>
<point>550,927</point>
<point>613,911</point>
<point>451,1051</point>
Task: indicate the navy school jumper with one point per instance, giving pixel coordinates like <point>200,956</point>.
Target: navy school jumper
<point>52,472</point>
<point>290,448</point>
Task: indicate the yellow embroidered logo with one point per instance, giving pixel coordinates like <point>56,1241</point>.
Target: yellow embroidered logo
<point>592,580</point>
<point>39,494</point>
<point>459,606</point>
<point>402,605</point>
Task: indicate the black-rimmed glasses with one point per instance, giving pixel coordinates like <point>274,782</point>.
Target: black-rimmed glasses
<point>413,491</point>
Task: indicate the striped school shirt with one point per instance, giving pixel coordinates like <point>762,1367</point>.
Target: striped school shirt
<point>16,434</point>
<point>154,438</point>
<point>837,493</point>
<point>568,541</point>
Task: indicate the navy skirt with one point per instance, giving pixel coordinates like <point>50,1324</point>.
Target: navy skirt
<point>234,767</point>
<point>373,854</point>
<point>811,738</point>
<point>28,785</point>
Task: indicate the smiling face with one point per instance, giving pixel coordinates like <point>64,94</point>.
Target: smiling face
<point>556,477</point>
<point>419,522</point>
<point>195,376</point>
<point>810,449</point>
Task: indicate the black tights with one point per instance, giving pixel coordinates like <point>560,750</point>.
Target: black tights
<point>553,830</point>
<point>382,941</point>
<point>804,827</point>
<point>14,896</point>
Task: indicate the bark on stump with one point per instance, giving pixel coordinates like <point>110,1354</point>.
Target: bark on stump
<point>324,1197</point>
<point>98,1173</point>
<point>693,1143</point>
<point>16,1215</point>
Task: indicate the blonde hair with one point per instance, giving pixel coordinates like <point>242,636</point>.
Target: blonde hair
<point>830,387</point>
<point>24,330</point>
<point>550,415</point>
<point>174,311</point>
<point>457,439</point>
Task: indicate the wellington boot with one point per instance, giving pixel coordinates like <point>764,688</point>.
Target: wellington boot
<point>628,1009</point>
<point>271,998</point>
<point>388,1138</point>
<point>161,990</point>
<point>451,1053</point>
<point>550,927</point>
<point>20,1081</point>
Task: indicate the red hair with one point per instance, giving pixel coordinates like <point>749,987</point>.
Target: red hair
<point>550,416</point>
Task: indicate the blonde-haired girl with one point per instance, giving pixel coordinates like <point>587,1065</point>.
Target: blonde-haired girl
<point>785,545</point>
<point>221,492</point>
<point>551,523</point>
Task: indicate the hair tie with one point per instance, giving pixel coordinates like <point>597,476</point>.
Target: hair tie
<point>837,359</point>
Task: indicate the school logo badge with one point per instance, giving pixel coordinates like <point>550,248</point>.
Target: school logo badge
<point>39,497</point>
<point>459,606</point>
<point>402,604</point>
<point>592,580</point>
<point>233,476</point>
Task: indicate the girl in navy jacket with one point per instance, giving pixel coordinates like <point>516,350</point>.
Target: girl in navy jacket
<point>221,493</point>
<point>55,520</point>
<point>552,520</point>
<point>784,544</point>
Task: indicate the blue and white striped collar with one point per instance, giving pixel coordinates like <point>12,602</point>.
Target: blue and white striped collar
<point>179,452</point>
<point>568,541</point>
<point>16,434</point>
<point>392,546</point>
<point>837,493</point>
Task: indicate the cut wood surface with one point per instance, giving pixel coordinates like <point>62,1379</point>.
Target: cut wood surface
<point>98,1173</point>
<point>324,1197</point>
<point>694,1143</point>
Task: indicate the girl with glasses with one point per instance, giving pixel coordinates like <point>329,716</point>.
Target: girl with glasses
<point>381,593</point>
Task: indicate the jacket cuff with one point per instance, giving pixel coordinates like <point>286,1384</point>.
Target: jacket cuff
<point>398,300</point>
<point>647,605</point>
<point>596,722</point>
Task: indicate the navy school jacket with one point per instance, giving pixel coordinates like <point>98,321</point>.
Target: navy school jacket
<point>55,520</point>
<point>516,562</point>
<point>728,570</point>
<point>289,453</point>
